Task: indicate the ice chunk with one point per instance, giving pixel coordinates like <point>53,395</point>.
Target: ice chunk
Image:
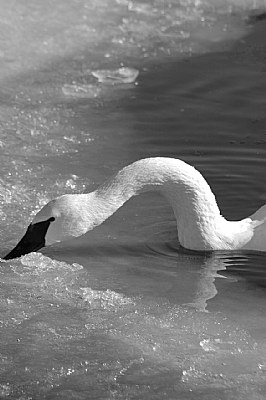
<point>37,263</point>
<point>106,299</point>
<point>146,9</point>
<point>221,346</point>
<point>5,194</point>
<point>116,76</point>
<point>81,91</point>
<point>5,390</point>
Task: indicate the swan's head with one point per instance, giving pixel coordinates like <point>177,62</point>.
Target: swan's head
<point>60,219</point>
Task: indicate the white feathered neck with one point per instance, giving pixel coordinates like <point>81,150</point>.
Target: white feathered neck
<point>199,222</point>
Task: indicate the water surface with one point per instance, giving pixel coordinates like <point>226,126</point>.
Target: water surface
<point>125,313</point>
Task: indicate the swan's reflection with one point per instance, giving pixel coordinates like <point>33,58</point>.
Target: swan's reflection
<point>249,268</point>
<point>206,289</point>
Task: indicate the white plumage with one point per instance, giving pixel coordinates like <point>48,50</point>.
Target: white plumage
<point>199,222</point>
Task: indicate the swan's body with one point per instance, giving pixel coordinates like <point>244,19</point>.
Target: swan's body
<point>199,222</point>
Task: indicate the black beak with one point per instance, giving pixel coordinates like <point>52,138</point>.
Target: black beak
<point>33,240</point>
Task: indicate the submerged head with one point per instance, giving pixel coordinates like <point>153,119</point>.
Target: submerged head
<point>58,220</point>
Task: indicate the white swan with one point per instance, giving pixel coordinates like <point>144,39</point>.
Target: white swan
<point>199,222</point>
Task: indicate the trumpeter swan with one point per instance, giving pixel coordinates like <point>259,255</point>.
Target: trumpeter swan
<point>199,222</point>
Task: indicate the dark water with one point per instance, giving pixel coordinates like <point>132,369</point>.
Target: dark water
<point>126,313</point>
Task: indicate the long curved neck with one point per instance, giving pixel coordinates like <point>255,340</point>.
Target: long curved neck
<point>191,198</point>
